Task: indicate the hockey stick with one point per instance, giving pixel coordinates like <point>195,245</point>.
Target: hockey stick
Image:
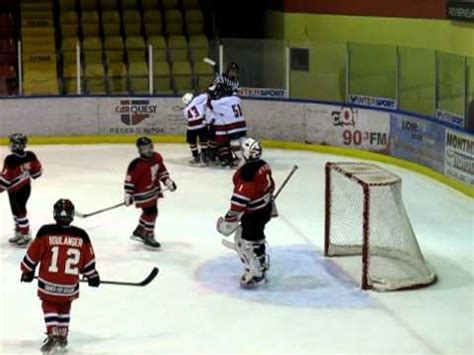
<point>293,170</point>
<point>85,215</point>
<point>142,283</point>
<point>227,243</point>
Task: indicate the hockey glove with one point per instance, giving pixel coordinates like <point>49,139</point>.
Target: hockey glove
<point>27,276</point>
<point>226,228</point>
<point>170,184</point>
<point>128,199</point>
<point>94,280</point>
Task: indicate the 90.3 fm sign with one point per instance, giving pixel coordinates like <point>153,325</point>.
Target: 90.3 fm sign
<point>356,129</point>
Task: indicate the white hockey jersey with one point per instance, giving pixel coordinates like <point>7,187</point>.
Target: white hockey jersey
<point>195,112</point>
<point>228,116</point>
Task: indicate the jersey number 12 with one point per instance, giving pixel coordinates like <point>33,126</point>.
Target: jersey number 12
<point>70,266</point>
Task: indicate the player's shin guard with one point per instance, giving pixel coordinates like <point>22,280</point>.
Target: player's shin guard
<point>224,155</point>
<point>146,227</point>
<point>147,222</point>
<point>195,154</point>
<point>204,152</point>
<point>56,317</point>
<point>211,150</point>
<point>22,224</point>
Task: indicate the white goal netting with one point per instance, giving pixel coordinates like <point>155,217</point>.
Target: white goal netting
<point>365,216</point>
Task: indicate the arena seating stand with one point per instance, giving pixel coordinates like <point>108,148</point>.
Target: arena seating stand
<point>113,37</point>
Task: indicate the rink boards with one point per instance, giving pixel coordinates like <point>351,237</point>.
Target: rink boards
<point>439,150</point>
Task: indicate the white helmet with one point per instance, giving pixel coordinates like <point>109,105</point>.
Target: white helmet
<point>187,98</point>
<point>251,149</point>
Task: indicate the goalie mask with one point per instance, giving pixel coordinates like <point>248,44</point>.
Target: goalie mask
<point>18,142</point>
<point>145,147</point>
<point>251,149</point>
<point>63,212</point>
<point>187,98</point>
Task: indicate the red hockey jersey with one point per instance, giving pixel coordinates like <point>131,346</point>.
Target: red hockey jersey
<point>18,169</point>
<point>63,253</point>
<point>253,189</point>
<point>143,179</point>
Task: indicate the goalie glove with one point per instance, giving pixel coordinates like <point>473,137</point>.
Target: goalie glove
<point>128,199</point>
<point>225,227</point>
<point>170,184</point>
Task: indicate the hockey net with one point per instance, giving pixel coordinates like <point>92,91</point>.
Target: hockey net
<point>365,216</point>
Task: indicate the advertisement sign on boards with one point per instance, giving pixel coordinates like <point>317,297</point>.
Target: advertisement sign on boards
<point>459,159</point>
<point>347,127</point>
<point>417,140</point>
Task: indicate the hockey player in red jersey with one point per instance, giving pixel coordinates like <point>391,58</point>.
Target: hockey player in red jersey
<point>251,205</point>
<point>142,186</point>
<point>18,169</point>
<point>62,252</point>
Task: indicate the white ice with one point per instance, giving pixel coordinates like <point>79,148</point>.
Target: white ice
<point>310,305</point>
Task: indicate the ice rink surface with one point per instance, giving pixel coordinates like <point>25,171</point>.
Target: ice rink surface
<point>311,304</point>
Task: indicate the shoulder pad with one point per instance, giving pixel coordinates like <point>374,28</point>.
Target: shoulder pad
<point>249,169</point>
<point>133,164</point>
<point>10,160</point>
<point>30,156</point>
<point>47,230</point>
<point>79,232</point>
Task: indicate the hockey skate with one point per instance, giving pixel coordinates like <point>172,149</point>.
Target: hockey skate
<point>195,161</point>
<point>249,282</point>
<point>146,238</point>
<point>49,344</point>
<point>204,159</point>
<point>22,240</point>
<point>15,238</point>
<point>62,341</point>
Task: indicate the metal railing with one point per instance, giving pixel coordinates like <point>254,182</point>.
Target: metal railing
<point>422,81</point>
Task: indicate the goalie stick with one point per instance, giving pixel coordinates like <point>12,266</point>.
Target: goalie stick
<point>151,276</point>
<point>85,215</point>
<point>227,243</point>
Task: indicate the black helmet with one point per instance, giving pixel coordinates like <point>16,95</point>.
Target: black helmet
<point>145,147</point>
<point>63,212</point>
<point>233,66</point>
<point>18,142</point>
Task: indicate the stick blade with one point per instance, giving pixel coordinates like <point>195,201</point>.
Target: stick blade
<point>150,277</point>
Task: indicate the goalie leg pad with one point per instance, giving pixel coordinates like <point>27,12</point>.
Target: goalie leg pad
<point>252,254</point>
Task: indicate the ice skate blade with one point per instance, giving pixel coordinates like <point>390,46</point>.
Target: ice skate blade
<point>147,246</point>
<point>253,285</point>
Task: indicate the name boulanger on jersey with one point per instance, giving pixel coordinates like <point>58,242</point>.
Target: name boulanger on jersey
<point>63,240</point>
